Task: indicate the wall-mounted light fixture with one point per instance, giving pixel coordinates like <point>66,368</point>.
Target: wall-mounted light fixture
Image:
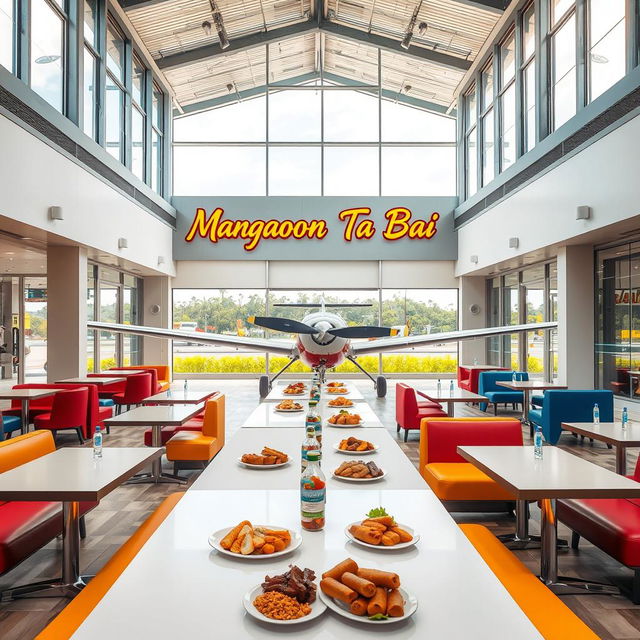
<point>160,260</point>
<point>55,213</point>
<point>123,243</point>
<point>514,243</point>
<point>474,259</point>
<point>583,213</point>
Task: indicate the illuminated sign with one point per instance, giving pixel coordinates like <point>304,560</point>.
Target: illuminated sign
<point>314,228</point>
<point>358,226</point>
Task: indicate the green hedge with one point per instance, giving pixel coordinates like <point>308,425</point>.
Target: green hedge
<point>256,364</point>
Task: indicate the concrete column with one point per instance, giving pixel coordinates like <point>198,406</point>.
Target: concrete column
<point>156,313</point>
<point>575,317</point>
<point>472,298</point>
<point>66,312</point>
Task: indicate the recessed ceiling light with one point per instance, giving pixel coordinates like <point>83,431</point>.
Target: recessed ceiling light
<point>25,238</point>
<point>10,253</point>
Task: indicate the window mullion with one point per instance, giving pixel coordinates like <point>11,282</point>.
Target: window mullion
<point>497,112</point>
<point>23,39</point>
<point>582,68</point>
<point>519,97</point>
<point>632,25</point>
<point>101,88</point>
<point>128,106</point>
<point>75,62</point>
<point>542,69</point>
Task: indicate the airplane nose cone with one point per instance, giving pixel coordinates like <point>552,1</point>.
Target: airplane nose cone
<point>323,325</point>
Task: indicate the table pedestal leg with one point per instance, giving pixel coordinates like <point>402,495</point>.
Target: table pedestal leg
<point>157,476</point>
<point>24,417</point>
<point>549,560</point>
<point>621,460</point>
<point>71,582</point>
<point>450,409</point>
<point>522,539</point>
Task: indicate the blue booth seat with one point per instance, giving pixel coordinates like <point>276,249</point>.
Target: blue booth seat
<point>9,425</point>
<point>564,405</point>
<point>495,393</point>
<point>536,400</point>
<point>106,402</point>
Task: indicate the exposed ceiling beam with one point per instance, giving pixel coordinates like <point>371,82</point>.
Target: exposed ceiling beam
<point>135,4</point>
<point>394,96</point>
<point>496,5</point>
<point>248,42</point>
<point>238,44</point>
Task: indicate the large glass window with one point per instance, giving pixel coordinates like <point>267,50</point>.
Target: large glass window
<point>606,44</point>
<point>89,94</point>
<point>138,119</point>
<point>618,320</point>
<point>157,139</point>
<point>471,141</point>
<point>317,137</point>
<point>114,115</point>
<point>48,26</point>
<point>488,124</point>
<point>528,76</point>
<point>6,34</point>
<point>563,83</point>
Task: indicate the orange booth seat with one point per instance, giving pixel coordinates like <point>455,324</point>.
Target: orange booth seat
<point>73,615</point>
<point>550,616</point>
<point>163,373</point>
<point>200,446</point>
<point>449,475</point>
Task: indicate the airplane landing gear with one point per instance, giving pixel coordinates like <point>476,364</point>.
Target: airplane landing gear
<point>381,386</point>
<point>265,386</point>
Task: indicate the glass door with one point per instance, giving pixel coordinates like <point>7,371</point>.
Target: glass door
<point>34,321</point>
<point>109,344</point>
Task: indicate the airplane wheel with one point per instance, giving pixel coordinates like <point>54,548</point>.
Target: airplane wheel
<point>265,386</point>
<point>381,386</point>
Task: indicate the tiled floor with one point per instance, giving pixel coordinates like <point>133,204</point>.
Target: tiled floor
<point>115,519</point>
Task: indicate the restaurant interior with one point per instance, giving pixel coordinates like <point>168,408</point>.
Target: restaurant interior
<point>319,314</point>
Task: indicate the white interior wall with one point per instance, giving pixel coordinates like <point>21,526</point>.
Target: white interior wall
<point>34,177</point>
<point>252,274</point>
<point>603,176</point>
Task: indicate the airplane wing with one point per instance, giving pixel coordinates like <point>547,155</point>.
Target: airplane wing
<point>403,342</point>
<point>280,347</point>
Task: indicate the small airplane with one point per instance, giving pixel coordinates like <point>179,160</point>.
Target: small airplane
<point>323,341</point>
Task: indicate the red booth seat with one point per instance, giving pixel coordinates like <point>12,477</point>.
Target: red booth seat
<point>409,413</point>
<point>96,415</point>
<point>612,524</point>
<point>161,375</point>
<point>25,527</point>
<point>468,378</point>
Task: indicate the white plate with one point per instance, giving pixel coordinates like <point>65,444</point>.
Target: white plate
<point>382,547</point>
<point>214,541</point>
<point>336,446</point>
<point>341,608</point>
<point>289,410</point>
<point>336,393</point>
<point>300,393</point>
<point>340,406</point>
<point>263,466</point>
<point>348,479</point>
<point>344,426</point>
<point>317,608</point>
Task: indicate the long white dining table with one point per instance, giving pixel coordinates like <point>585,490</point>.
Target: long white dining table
<point>266,415</point>
<point>228,472</point>
<point>177,586</point>
<point>277,392</point>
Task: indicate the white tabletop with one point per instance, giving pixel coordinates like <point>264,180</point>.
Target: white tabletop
<point>530,385</point>
<point>26,394</point>
<point>179,396</point>
<point>225,470</point>
<point>265,415</point>
<point>73,474</point>
<point>164,415</point>
<point>558,475</point>
<point>189,591</point>
<point>277,392</point>
<point>99,381</point>
<point>611,432</point>
<point>447,395</point>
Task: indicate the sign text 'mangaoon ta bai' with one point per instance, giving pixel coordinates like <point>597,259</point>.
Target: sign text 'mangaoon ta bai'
<point>400,223</point>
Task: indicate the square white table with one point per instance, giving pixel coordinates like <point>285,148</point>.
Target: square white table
<point>70,475</point>
<point>277,392</point>
<point>24,396</point>
<point>196,593</point>
<point>557,475</point>
<point>155,417</point>
<point>451,396</point>
<point>225,470</point>
<point>179,396</point>
<point>98,381</point>
<point>266,415</point>
<point>526,386</point>
<point>613,434</point>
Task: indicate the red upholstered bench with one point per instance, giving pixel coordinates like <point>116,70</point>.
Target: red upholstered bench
<point>26,527</point>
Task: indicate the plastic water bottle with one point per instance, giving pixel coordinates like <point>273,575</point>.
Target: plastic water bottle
<point>439,387</point>
<point>314,420</point>
<point>625,417</point>
<point>537,443</point>
<point>186,384</point>
<point>97,443</point>
<point>451,386</point>
<point>313,494</point>
<point>596,414</point>
<point>514,377</point>
<point>475,362</point>
<point>309,444</point>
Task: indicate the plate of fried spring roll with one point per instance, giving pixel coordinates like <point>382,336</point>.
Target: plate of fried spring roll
<point>254,542</point>
<point>370,596</point>
<point>382,533</point>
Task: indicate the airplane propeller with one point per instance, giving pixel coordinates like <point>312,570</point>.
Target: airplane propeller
<point>363,332</point>
<point>282,324</point>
